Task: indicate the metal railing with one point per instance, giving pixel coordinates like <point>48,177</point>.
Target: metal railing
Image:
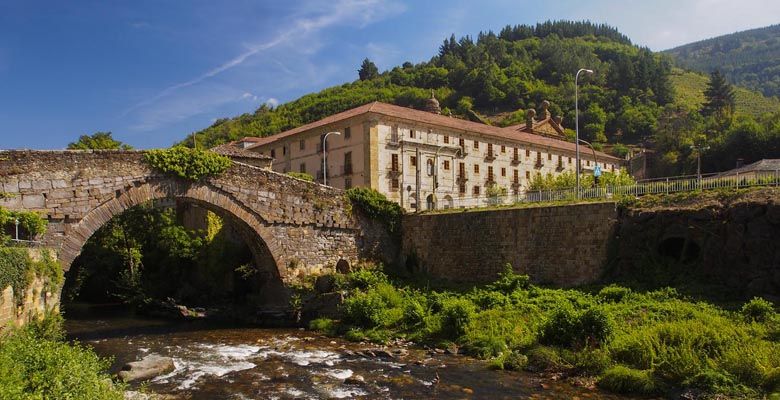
<point>646,187</point>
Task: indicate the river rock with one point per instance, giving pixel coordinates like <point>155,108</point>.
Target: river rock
<point>354,380</point>
<point>149,367</point>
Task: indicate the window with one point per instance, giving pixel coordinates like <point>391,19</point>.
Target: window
<point>490,148</point>
<point>549,156</point>
<point>490,174</point>
<point>446,139</point>
<point>411,133</point>
<point>569,160</point>
<point>394,163</point>
<point>348,162</point>
<point>347,183</point>
<point>476,145</point>
<point>302,168</point>
<point>462,171</point>
<point>588,163</point>
<point>476,191</point>
<point>462,187</point>
<point>516,176</point>
<point>430,166</point>
<point>503,171</point>
<point>560,161</point>
<point>273,153</point>
<point>527,153</point>
<point>413,161</point>
<point>446,165</point>
<point>514,155</point>
<point>476,168</point>
<point>503,148</point>
<point>302,145</point>
<point>347,133</point>
<point>394,184</point>
<point>539,157</point>
<point>528,175</point>
<point>462,143</point>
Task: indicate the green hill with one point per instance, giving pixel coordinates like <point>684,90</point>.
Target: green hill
<point>750,59</point>
<point>689,89</point>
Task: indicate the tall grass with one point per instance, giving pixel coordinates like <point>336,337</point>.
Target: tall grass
<point>632,342</point>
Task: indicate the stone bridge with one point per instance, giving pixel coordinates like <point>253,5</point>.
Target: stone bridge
<point>292,227</point>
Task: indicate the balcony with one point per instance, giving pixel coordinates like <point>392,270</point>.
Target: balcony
<point>394,140</point>
<point>393,173</point>
<point>462,152</point>
<point>461,178</point>
<point>515,160</point>
<point>490,181</point>
<point>490,156</point>
<point>346,169</point>
<point>539,164</point>
<point>559,167</point>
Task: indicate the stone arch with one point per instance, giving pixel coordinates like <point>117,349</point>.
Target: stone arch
<point>250,226</point>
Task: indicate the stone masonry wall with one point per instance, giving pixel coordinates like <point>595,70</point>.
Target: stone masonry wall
<point>562,245</point>
<point>38,298</point>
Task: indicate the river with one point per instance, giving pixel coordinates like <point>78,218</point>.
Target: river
<point>231,362</point>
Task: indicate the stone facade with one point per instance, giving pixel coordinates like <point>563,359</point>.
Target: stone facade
<point>423,160</point>
<point>563,245</point>
<point>293,227</point>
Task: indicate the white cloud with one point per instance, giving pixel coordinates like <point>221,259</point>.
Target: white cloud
<point>272,102</point>
<point>361,12</point>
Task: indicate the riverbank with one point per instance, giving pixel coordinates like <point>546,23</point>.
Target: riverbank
<point>638,343</point>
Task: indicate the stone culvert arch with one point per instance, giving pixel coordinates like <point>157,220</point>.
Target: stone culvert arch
<point>301,227</point>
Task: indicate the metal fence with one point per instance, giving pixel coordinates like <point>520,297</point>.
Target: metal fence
<point>652,186</point>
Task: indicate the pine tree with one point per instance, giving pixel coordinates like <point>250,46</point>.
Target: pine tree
<point>368,70</point>
<point>719,96</point>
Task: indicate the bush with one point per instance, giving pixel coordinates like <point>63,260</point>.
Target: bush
<point>414,312</point>
<point>758,310</point>
<point>364,278</point>
<point>508,281</point>
<point>772,380</point>
<point>614,293</point>
<point>187,163</point>
<point>377,207</point>
<point>456,313</point>
<point>364,309</point>
<point>562,328</point>
<point>32,367</point>
<point>623,380</point>
<point>324,325</point>
<point>592,361</point>
<point>542,358</point>
<point>596,325</point>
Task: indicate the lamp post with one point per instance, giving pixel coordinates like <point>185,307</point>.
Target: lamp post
<point>577,123</point>
<point>698,150</point>
<point>325,157</point>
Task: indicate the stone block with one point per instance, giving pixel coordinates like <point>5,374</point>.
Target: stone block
<point>59,184</point>
<point>33,201</point>
<point>11,187</point>
<point>41,185</point>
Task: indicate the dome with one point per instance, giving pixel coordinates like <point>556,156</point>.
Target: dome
<point>432,105</point>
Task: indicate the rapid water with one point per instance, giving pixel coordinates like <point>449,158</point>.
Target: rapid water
<point>222,362</point>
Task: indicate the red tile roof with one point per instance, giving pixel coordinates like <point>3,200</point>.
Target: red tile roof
<point>425,117</point>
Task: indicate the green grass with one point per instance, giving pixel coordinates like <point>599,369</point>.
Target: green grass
<point>632,342</point>
<point>689,90</point>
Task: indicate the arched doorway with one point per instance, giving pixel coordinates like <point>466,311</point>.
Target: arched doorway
<point>430,202</point>
<point>448,202</point>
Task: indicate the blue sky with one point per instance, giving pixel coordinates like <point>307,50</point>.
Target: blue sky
<point>152,71</point>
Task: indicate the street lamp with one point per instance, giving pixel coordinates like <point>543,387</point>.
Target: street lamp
<point>325,157</point>
<point>577,123</point>
<point>698,150</point>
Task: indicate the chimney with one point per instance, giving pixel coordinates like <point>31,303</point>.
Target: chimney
<point>545,109</point>
<point>740,162</point>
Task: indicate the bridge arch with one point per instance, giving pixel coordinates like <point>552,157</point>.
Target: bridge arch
<point>250,226</point>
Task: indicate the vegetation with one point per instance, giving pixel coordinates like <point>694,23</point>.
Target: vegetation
<point>98,141</point>
<point>146,254</point>
<point>689,90</point>
<point>633,342</point>
<point>568,179</point>
<point>301,175</point>
<point>748,59</point>
<point>35,363</point>
<point>376,206</point>
<point>31,224</point>
<point>186,163</point>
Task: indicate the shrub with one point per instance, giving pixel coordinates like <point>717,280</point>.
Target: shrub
<point>36,368</point>
<point>187,163</point>
<point>772,380</point>
<point>365,278</point>
<point>712,381</point>
<point>596,325</point>
<point>592,361</point>
<point>562,328</point>
<point>623,380</point>
<point>377,207</point>
<point>508,281</point>
<point>510,361</point>
<point>15,268</point>
<point>324,325</point>
<point>613,293</point>
<point>414,312</point>
<point>542,358</point>
<point>456,313</point>
<point>364,309</point>
<point>758,309</point>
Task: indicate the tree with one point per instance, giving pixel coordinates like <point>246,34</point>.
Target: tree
<point>719,96</point>
<point>98,141</point>
<point>368,70</point>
